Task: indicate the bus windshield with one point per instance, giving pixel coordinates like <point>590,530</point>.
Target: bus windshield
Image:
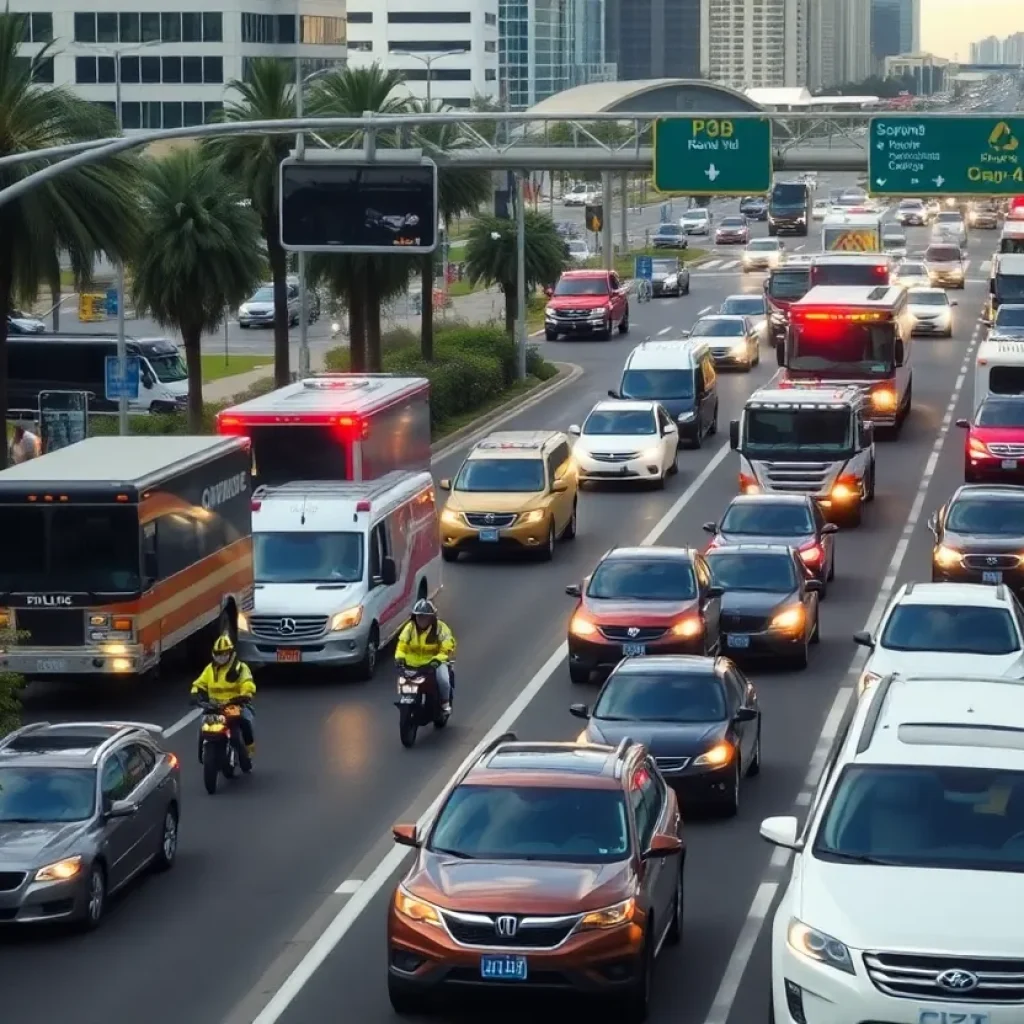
<point>1009,287</point>
<point>817,429</point>
<point>841,346</point>
<point>70,549</point>
<point>789,195</point>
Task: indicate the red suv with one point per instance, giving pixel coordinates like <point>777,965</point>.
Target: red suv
<point>549,867</point>
<point>994,446</point>
<point>586,302</point>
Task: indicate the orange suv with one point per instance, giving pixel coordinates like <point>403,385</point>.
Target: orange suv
<point>548,866</point>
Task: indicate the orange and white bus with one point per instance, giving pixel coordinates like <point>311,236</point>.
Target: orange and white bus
<point>115,550</point>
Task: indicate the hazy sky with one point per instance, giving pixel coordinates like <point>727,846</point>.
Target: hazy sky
<point>949,27</point>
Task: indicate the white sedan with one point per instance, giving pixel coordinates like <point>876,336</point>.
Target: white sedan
<point>626,441</point>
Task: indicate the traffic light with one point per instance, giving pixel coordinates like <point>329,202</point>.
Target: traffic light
<point>594,216</point>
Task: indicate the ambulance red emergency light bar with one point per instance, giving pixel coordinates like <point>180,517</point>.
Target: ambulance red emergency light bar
<point>335,427</point>
<point>851,336</point>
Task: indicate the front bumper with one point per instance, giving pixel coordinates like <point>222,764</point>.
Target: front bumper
<point>34,902</point>
<point>585,325</point>
<point>946,278</point>
<point>766,644</point>
<point>659,288</point>
<point>342,648</point>
<point>1013,578</point>
<point>256,319</point>
<point>699,785</point>
<point>601,655</point>
<point>517,538</point>
<point>758,264</point>
<point>789,227</point>
<point>668,243</point>
<point>936,326</point>
<point>642,468</point>
<point>730,357</point>
<point>994,468</point>
<point>99,659</point>
<point>724,238</point>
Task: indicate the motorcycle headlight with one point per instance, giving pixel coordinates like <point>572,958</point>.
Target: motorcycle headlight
<point>819,946</point>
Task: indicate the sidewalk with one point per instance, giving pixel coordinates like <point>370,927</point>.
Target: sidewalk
<point>224,389</point>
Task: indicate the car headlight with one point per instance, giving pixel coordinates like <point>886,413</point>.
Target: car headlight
<point>536,516</point>
<point>60,870</point>
<point>549,312</point>
<point>720,754</point>
<point>347,619</point>
<point>609,917</point>
<point>671,281</point>
<point>867,680</point>
<point>946,558</point>
<point>739,348</point>
<point>582,626</point>
<point>450,518</point>
<point>686,417</point>
<point>789,618</point>
<point>883,399</point>
<point>815,945</point>
<point>689,627</point>
<point>416,909</point>
<point>242,622</point>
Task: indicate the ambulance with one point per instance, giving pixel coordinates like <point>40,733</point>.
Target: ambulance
<point>851,232</point>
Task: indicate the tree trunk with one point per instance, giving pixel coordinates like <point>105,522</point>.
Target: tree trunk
<point>55,297</point>
<point>6,276</point>
<point>427,309</point>
<point>374,355</point>
<point>511,309</point>
<point>192,339</point>
<point>357,332</point>
<point>279,274</point>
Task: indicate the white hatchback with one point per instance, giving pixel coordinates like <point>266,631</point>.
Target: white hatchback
<point>626,441</point>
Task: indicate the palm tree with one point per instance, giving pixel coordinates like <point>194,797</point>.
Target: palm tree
<point>459,191</point>
<point>199,254</point>
<point>86,212</point>
<point>491,256</point>
<point>254,161</point>
<point>362,282</point>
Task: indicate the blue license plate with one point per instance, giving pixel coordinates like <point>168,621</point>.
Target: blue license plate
<point>489,536</point>
<point>737,640</point>
<point>991,577</point>
<point>503,967</point>
<point>634,650</point>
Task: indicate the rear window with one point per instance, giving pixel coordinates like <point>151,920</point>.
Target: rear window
<point>958,630</point>
<point>661,697</point>
<point>753,570</point>
<point>768,520</point>
<point>1006,380</point>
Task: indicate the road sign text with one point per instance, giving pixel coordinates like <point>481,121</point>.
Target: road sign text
<point>704,156</point>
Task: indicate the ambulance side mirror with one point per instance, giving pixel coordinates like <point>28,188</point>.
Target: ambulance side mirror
<point>900,353</point>
<point>388,572</point>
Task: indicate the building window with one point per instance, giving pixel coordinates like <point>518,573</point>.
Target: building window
<point>490,46</point>
<point>149,68</point>
<point>130,27</point>
<point>131,115</point>
<point>192,70</point>
<point>490,74</point>
<point>172,115</point>
<point>193,114</point>
<point>42,70</point>
<point>360,46</point>
<point>170,27</point>
<point>212,110</point>
<point>213,27</point>
<point>428,18</point>
<point>130,70</point>
<point>429,46</point>
<point>285,28</point>
<point>150,28</point>
<point>320,30</point>
<point>106,27</point>
<point>213,70</point>
<point>85,70</point>
<point>191,27</point>
<point>268,28</point>
<point>171,67</point>
<point>437,75</point>
<point>106,73</point>
<point>37,28</point>
<point>360,17</point>
<point>85,28</point>
<point>490,19</point>
<point>151,115</point>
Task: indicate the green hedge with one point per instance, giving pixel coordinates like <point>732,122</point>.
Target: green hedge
<point>473,367</point>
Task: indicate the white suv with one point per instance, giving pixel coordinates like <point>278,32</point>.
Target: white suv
<point>947,629</point>
<point>906,875</point>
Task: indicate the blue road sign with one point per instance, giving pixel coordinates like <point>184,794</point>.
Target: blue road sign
<point>644,267</point>
<point>114,386</point>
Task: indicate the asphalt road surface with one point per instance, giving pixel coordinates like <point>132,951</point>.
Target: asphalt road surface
<point>301,851</point>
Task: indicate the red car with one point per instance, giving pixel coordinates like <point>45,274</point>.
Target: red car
<point>589,303</point>
<point>732,231</point>
<point>994,446</point>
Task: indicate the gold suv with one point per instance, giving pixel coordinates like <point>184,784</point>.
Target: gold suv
<point>516,491</point>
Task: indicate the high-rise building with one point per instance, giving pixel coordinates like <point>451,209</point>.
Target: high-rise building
<point>853,40</point>
<point>987,51</point>
<point>1013,49</point>
<point>895,29</point>
<point>654,38</point>
<point>456,48</point>
<point>752,44</point>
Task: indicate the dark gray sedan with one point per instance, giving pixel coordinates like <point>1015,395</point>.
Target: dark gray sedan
<point>85,807</point>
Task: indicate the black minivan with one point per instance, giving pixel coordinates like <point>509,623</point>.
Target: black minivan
<point>77,362</point>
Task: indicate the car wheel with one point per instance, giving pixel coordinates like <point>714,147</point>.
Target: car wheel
<point>731,801</point>
<point>548,551</point>
<point>551,335</point>
<point>816,635</point>
<point>579,674</point>
<point>755,761</point>
<point>802,657</point>
<point>569,533</point>
<point>95,899</point>
<point>686,290</point>
<point>675,931</point>
<point>831,567</point>
<point>450,554</point>
<point>624,322</point>
<point>674,467</point>
<point>757,355</point>
<point>367,665</point>
<point>636,1004</point>
<point>168,850</point>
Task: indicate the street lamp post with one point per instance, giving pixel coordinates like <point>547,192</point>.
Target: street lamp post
<point>427,60</point>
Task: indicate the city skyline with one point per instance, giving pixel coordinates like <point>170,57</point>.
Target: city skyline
<point>943,31</point>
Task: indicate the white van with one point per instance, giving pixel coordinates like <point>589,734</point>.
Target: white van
<point>999,369</point>
<point>338,567</point>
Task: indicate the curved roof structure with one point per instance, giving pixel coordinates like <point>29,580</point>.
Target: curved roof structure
<point>652,95</point>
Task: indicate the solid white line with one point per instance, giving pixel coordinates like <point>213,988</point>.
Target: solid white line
<point>182,722</point>
<point>664,330</point>
<point>348,887</point>
<point>392,861</point>
<point>757,914</point>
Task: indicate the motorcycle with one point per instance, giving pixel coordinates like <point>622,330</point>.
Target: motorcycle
<point>222,748</point>
<point>418,703</point>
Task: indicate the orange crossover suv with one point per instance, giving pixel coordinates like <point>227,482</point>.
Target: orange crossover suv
<point>548,866</point>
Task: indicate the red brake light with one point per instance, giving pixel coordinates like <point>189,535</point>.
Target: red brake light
<point>811,554</point>
<point>230,425</point>
<point>257,505</point>
<point>363,506</point>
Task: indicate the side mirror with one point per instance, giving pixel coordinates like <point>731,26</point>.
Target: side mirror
<point>575,430</point>
<point>147,381</point>
<point>579,711</point>
<point>954,303</point>
<point>574,590</point>
<point>559,486</point>
<point>549,291</point>
<point>663,845</point>
<point>715,591</point>
<point>745,715</point>
<point>814,586</point>
<point>862,638</point>
<point>933,522</point>
<point>122,809</point>
<point>388,572</point>
<point>963,423</point>
<point>613,394</point>
<point>734,435</point>
<point>830,528</point>
<point>670,428</point>
<point>405,835</point>
<point>685,334</point>
<point>710,528</point>
<point>781,831</point>
<point>445,484</point>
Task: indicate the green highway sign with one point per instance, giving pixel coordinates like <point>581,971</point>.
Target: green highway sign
<point>970,155</point>
<point>703,156</point>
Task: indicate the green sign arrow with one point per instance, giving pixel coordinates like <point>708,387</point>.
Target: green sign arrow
<point>703,156</point>
<point>917,156</point>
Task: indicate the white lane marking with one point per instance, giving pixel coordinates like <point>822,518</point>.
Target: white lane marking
<point>710,265</point>
<point>348,887</point>
<point>182,722</point>
<point>392,861</point>
<point>705,311</point>
<point>735,969</point>
<point>664,330</point>
<point>730,264</point>
<point>800,248</point>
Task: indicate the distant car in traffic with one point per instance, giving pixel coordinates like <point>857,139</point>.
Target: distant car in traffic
<point>1008,324</point>
<point>734,340</point>
<point>696,221</point>
<point>753,306</point>
<point>910,273</point>
<point>894,242</point>
<point>732,231</point>
<point>763,254</point>
<point>820,209</point>
<point>912,213</point>
<point>19,323</point>
<point>577,251</point>
<point>945,265</point>
<point>669,236</point>
<point>994,439</point>
<point>984,216</point>
<point>669,276</point>
<point>932,311</point>
<point>949,225</point>
<point>754,207</point>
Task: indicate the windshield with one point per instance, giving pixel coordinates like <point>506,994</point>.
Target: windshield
<point>46,795</point>
<point>753,570</point>
<point>711,328</point>
<point>308,557</point>
<point>911,204</point>
<point>695,215</point>
<point>847,275</point>
<point>1008,316</point>
<point>950,218</point>
<point>942,254</point>
<point>851,199</point>
<point>1010,286</point>
<point>661,697</point>
<point>263,295</point>
<point>952,628</point>
<point>545,823</point>
<point>669,229</point>
<point>169,368</point>
<point>790,193</point>
<point>789,284</point>
<point>508,476</point>
<point>763,245</point>
<point>842,345</point>
<point>752,306</point>
<point>582,286</point>
<point>932,816</point>
<point>638,579</point>
<point>665,266</point>
<point>928,299</point>
<point>70,549</point>
<point>912,270</point>
<point>1011,244</point>
<point>619,421</point>
<point>733,222</point>
<point>664,385</point>
<point>763,519</point>
<point>1000,414</point>
<point>995,518</point>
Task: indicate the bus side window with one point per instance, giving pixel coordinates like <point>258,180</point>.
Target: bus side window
<point>177,544</point>
<point>150,566</point>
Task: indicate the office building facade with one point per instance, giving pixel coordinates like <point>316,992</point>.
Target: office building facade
<point>753,44</point>
<point>654,38</point>
<point>928,72</point>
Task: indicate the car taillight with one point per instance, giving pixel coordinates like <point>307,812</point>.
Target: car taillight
<point>748,485</point>
<point>812,554</point>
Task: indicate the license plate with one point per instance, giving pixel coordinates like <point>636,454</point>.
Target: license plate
<point>950,1017</point>
<point>737,640</point>
<point>991,577</point>
<point>489,535</point>
<point>406,698</point>
<point>289,655</point>
<point>634,650</point>
<point>1009,463</point>
<point>51,665</point>
<point>503,967</point>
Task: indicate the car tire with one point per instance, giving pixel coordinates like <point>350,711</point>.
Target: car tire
<point>579,674</point>
<point>816,635</point>
<point>96,899</point>
<point>624,322</point>
<point>167,851</point>
<point>831,567</point>
<point>674,468</point>
<point>731,801</point>
<point>547,553</point>
<point>755,762</point>
<point>635,1005</point>
<point>569,533</point>
<point>675,929</point>
<point>367,665</point>
<point>686,290</point>
<point>802,659</point>
<point>551,335</point>
<point>757,356</point>
<point>404,1002</point>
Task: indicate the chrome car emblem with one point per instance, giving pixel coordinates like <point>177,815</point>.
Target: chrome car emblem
<point>489,518</point>
<point>991,560</point>
<point>632,631</point>
<point>506,926</point>
<point>287,627</point>
<point>957,980</point>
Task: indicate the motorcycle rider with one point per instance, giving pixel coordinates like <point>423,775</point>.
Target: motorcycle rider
<point>426,640</point>
<point>227,679</point>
